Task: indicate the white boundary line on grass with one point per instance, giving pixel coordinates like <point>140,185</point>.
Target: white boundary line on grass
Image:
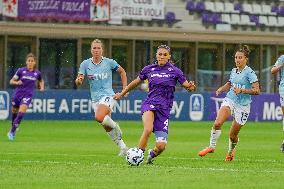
<point>162,157</point>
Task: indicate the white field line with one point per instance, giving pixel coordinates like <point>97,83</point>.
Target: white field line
<point>162,157</point>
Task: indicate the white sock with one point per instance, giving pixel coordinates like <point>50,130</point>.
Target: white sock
<point>119,142</point>
<point>215,134</point>
<point>232,146</point>
<point>109,122</point>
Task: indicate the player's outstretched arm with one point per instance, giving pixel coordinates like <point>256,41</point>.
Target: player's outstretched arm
<point>276,69</point>
<point>79,80</point>
<point>128,88</point>
<point>223,88</point>
<point>189,85</point>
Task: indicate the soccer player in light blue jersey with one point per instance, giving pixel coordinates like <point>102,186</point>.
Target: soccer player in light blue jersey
<point>98,71</point>
<point>242,84</point>
<point>278,67</point>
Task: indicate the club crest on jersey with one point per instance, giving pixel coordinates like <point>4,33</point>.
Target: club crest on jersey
<point>170,69</point>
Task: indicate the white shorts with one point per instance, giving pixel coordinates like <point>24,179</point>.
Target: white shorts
<point>239,112</point>
<point>281,99</point>
<point>106,100</point>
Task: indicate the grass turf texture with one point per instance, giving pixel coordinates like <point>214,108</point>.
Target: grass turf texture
<point>78,154</point>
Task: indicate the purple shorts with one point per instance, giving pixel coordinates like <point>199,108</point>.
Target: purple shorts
<point>161,121</point>
<point>17,101</point>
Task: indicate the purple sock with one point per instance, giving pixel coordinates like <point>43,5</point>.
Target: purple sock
<point>14,115</point>
<point>152,154</point>
<point>17,121</point>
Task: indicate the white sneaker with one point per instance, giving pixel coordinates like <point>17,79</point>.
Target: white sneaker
<point>10,136</point>
<point>149,160</point>
<point>123,152</point>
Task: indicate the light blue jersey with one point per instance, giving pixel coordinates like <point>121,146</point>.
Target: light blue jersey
<point>279,62</point>
<point>99,77</point>
<point>243,80</point>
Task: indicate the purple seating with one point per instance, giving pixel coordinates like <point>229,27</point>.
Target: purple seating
<point>254,18</point>
<point>170,17</point>
<point>238,7</point>
<point>216,18</point>
<point>274,8</point>
<point>281,11</point>
<point>206,18</point>
<point>200,6</point>
<point>190,6</point>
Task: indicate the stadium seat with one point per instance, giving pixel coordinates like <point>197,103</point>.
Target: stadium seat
<point>247,8</point>
<point>226,18</point>
<point>254,18</point>
<point>263,20</point>
<point>272,21</point>
<point>200,6</point>
<point>245,20</point>
<point>219,7</point>
<point>238,7</point>
<point>281,11</point>
<point>170,17</point>
<point>235,19</point>
<point>280,21</point>
<point>266,10</point>
<point>209,6</point>
<point>256,9</point>
<point>274,9</point>
<point>229,8</point>
<point>206,18</point>
<point>190,6</point>
<point>216,18</point>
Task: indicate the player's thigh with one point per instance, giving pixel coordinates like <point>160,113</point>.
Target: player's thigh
<point>15,109</point>
<point>223,114</point>
<point>23,108</point>
<point>101,111</point>
<point>148,120</point>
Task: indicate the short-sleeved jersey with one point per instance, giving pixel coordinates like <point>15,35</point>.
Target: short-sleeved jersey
<point>29,79</point>
<point>243,80</point>
<point>162,81</point>
<point>99,77</point>
<point>279,62</point>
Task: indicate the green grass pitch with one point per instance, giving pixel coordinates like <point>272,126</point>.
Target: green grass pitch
<point>78,154</point>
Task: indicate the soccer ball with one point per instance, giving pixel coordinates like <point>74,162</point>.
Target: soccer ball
<point>134,156</point>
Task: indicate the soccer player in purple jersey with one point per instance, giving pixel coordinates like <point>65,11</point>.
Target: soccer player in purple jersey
<point>25,80</point>
<point>163,77</point>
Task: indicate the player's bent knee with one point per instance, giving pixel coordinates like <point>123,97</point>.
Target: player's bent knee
<point>99,118</point>
<point>217,125</point>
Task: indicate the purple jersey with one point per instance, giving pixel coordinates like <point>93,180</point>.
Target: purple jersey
<point>162,81</point>
<point>29,79</point>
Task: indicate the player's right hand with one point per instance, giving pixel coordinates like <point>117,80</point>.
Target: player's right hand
<point>79,80</point>
<point>117,96</point>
